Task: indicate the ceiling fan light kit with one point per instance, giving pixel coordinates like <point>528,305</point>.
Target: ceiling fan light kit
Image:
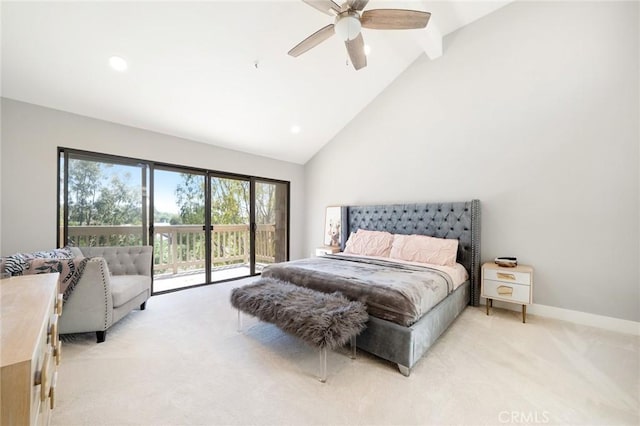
<point>349,23</point>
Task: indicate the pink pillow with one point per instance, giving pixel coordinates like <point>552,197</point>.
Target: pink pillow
<point>424,249</point>
<point>369,243</point>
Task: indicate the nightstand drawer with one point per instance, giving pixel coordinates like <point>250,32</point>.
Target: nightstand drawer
<point>506,291</point>
<point>507,276</point>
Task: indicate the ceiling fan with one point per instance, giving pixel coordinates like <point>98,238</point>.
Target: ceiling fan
<point>350,19</point>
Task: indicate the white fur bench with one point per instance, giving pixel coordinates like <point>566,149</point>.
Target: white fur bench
<point>320,319</point>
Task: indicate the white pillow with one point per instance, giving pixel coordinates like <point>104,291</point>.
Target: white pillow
<point>424,249</point>
<point>369,243</point>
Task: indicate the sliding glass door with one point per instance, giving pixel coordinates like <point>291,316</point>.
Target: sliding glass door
<point>179,234</point>
<point>230,228</point>
<point>201,229</point>
<point>205,226</point>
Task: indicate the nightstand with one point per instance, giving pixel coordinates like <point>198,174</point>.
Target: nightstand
<point>321,251</point>
<point>513,285</point>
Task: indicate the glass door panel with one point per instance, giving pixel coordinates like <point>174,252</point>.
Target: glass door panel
<point>230,232</point>
<point>179,236</point>
<point>272,218</point>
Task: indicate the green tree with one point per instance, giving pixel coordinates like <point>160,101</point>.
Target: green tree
<point>265,203</point>
<point>85,178</point>
<point>229,201</point>
<point>119,203</point>
<point>190,198</point>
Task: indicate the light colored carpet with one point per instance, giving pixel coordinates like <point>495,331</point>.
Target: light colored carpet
<point>182,361</point>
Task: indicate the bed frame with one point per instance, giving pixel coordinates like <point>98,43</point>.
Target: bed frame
<point>460,220</point>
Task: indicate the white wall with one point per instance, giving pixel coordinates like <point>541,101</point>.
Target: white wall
<point>534,111</point>
<point>32,134</point>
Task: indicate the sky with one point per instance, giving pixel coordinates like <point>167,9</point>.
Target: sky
<point>165,184</point>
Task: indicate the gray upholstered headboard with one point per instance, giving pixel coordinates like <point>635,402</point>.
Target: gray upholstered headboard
<point>460,220</point>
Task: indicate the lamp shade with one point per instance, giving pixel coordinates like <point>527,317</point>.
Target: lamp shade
<point>347,26</point>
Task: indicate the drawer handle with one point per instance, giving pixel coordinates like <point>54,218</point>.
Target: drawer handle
<point>57,352</point>
<point>52,391</point>
<point>43,377</point>
<point>503,290</point>
<point>505,276</point>
<point>53,330</point>
<point>59,303</point>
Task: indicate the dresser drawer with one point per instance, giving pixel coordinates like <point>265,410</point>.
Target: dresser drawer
<point>507,276</point>
<point>501,290</point>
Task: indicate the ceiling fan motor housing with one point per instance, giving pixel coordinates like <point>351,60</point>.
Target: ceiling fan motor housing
<point>347,25</point>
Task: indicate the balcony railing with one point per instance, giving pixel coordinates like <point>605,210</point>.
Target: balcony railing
<point>181,248</point>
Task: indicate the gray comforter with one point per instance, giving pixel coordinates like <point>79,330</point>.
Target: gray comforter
<point>391,291</point>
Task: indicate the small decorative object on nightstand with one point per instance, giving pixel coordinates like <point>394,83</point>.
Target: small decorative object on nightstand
<point>321,251</point>
<point>508,284</point>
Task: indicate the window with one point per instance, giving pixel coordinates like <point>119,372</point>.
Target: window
<point>205,226</point>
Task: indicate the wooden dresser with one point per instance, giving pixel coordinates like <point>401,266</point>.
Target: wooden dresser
<point>29,348</point>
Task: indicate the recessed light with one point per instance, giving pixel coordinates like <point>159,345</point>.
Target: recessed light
<point>367,49</point>
<point>295,129</point>
<point>117,63</point>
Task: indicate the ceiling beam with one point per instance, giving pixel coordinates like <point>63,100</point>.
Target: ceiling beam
<point>431,40</point>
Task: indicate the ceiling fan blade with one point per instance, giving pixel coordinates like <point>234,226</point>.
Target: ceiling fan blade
<point>357,4</point>
<point>394,19</point>
<point>324,6</point>
<point>312,41</point>
<point>355,48</point>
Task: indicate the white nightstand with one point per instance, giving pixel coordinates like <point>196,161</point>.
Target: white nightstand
<point>321,251</point>
<point>513,285</point>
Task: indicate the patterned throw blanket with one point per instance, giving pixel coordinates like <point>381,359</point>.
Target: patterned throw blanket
<point>70,271</point>
<point>391,291</point>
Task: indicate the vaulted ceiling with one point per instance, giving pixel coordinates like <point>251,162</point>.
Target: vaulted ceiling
<point>215,72</point>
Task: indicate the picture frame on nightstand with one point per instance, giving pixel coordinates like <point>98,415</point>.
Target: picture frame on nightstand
<point>332,224</point>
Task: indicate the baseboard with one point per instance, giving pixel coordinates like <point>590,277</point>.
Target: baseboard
<point>583,318</point>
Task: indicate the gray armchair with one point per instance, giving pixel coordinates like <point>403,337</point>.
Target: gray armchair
<point>115,281</point>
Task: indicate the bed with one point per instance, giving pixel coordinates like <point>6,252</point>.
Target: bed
<point>397,335</point>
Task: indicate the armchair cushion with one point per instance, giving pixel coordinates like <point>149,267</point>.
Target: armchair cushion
<point>125,287</point>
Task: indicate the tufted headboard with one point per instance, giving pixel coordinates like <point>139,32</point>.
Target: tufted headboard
<point>459,220</point>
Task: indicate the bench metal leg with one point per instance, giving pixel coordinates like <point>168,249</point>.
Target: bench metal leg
<point>323,364</point>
